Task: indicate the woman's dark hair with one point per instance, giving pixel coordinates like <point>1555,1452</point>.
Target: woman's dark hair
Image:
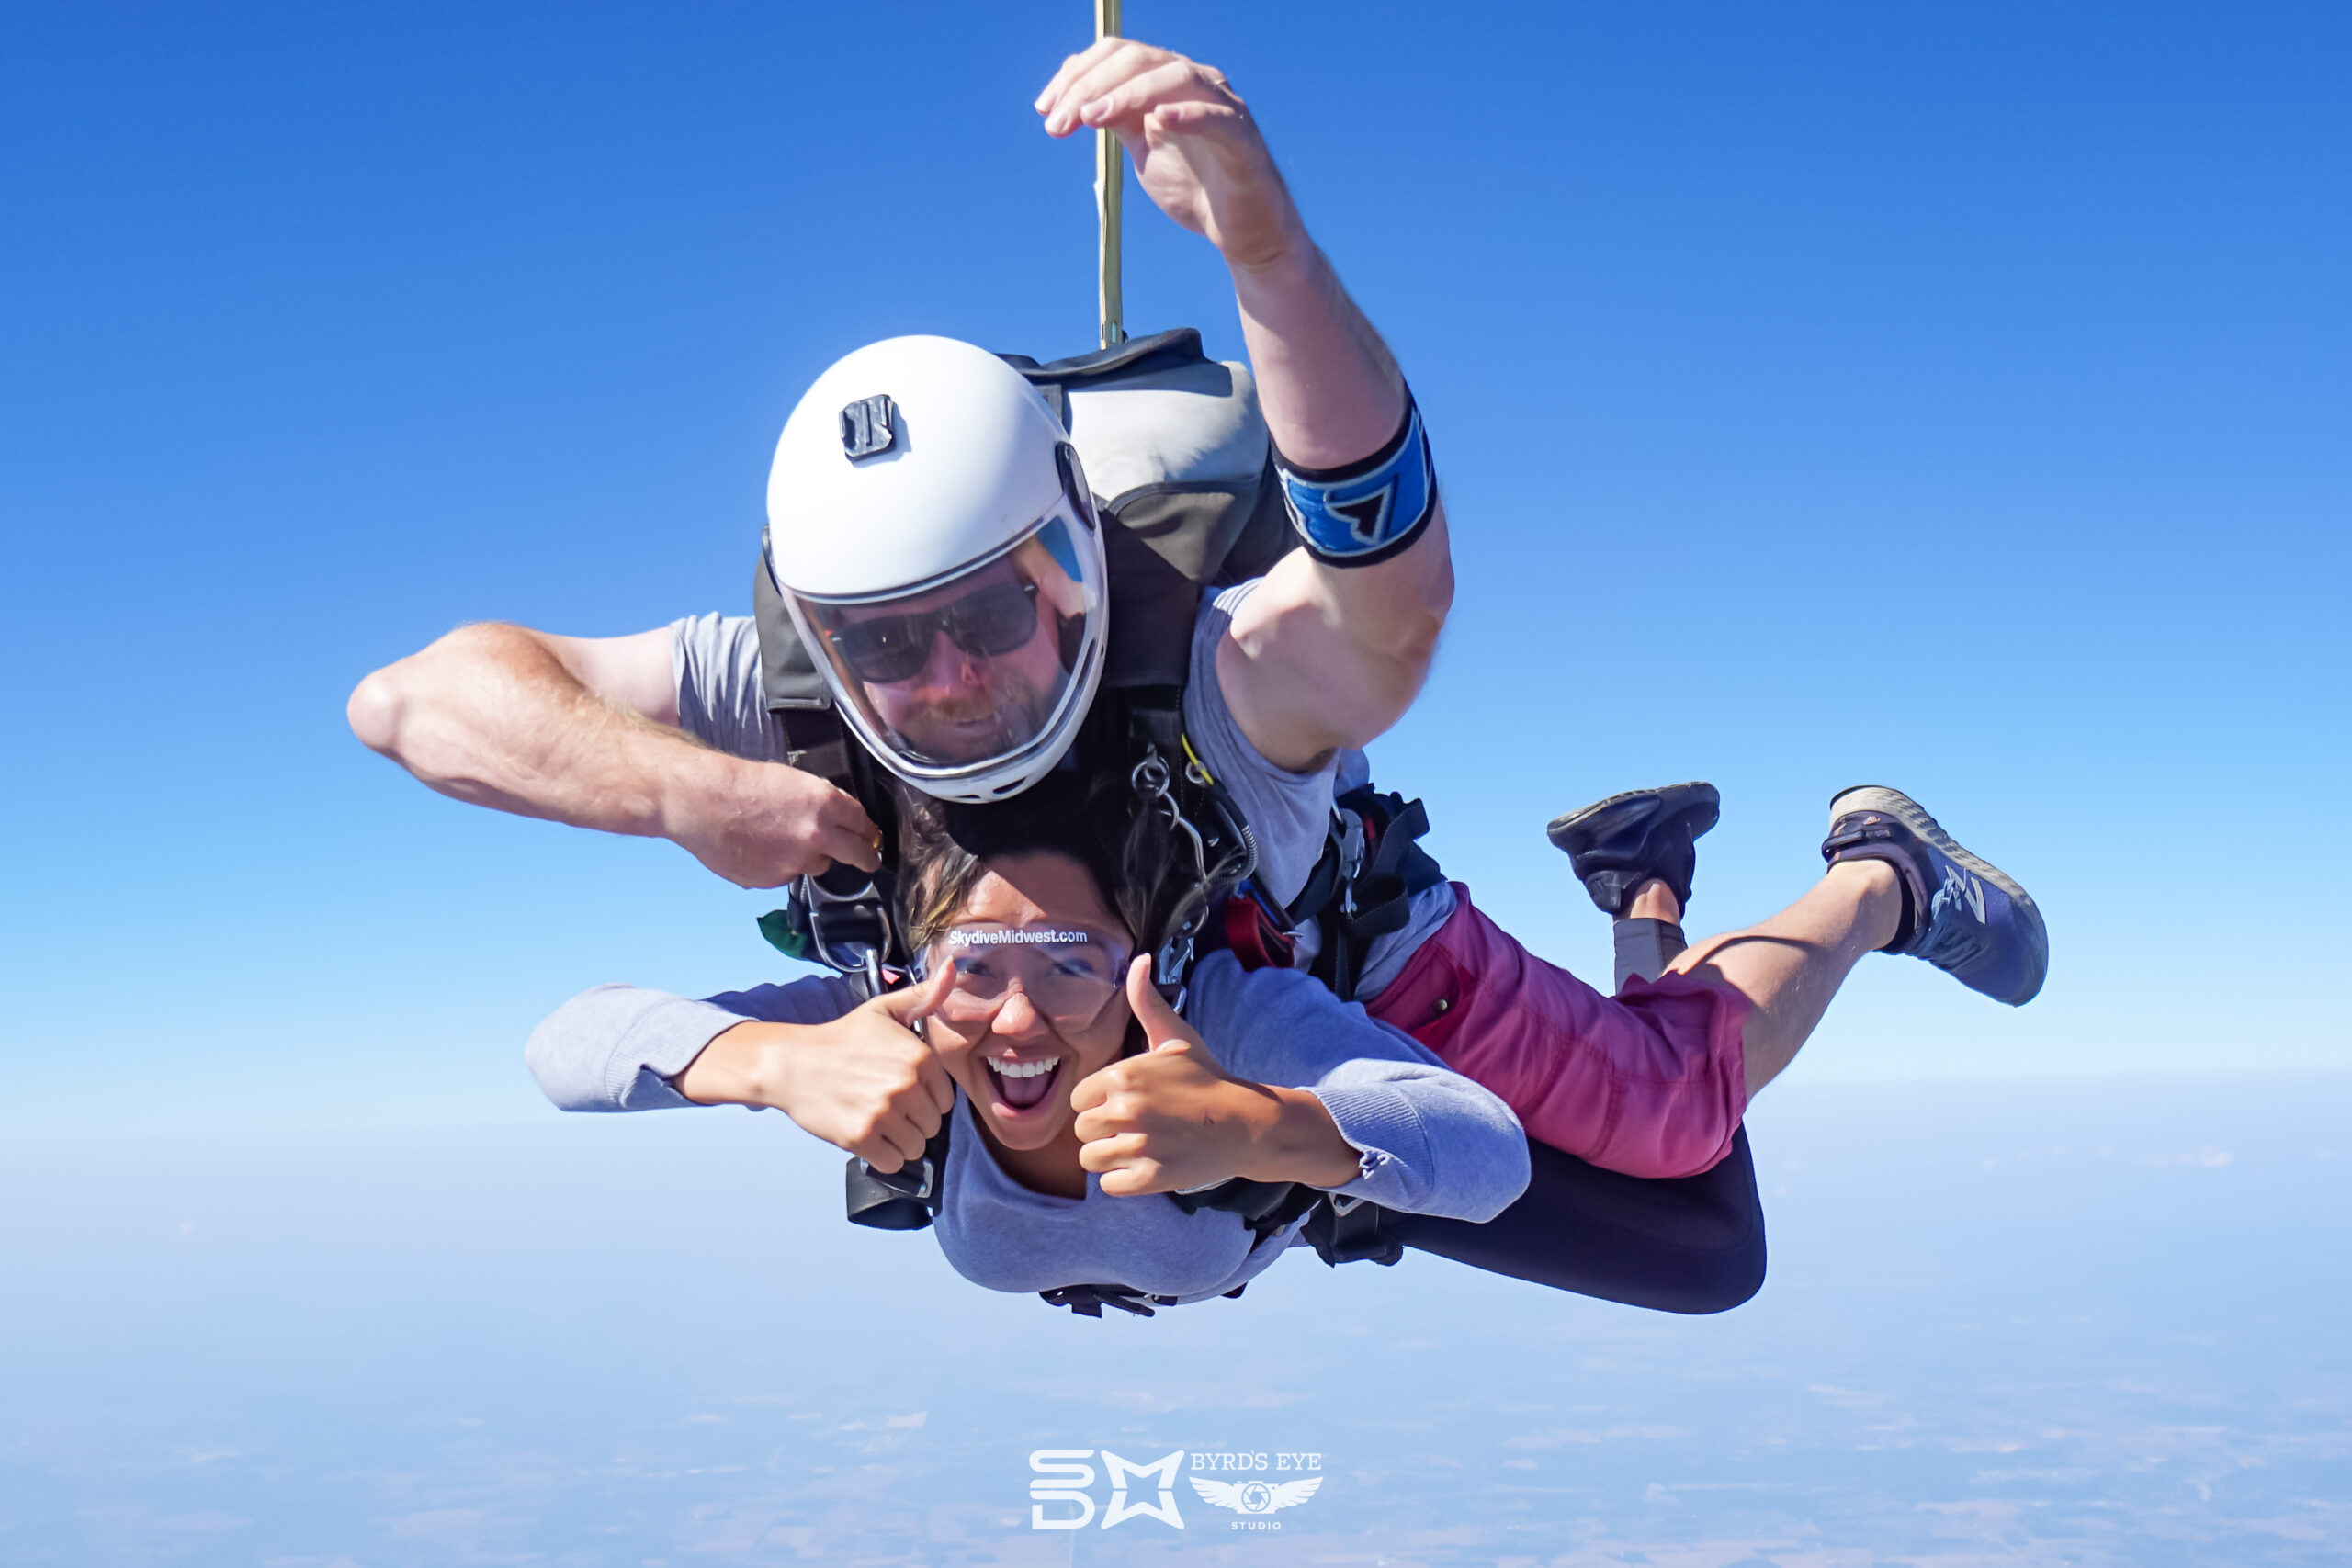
<point>1130,850</point>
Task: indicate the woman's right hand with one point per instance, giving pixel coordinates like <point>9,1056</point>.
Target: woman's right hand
<point>1172,1119</point>
<point>866,1082</point>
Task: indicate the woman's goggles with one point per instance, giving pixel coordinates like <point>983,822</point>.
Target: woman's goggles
<point>985,623</point>
<point>1069,975</point>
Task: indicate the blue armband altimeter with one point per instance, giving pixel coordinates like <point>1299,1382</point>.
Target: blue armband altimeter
<point>1366,511</point>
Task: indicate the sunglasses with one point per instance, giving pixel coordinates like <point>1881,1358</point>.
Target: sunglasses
<point>1069,977</point>
<point>987,622</point>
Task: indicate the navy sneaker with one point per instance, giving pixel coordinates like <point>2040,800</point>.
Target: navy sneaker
<point>1960,913</point>
<point>1615,845</point>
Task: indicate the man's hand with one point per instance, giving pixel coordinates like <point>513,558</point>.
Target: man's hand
<point>761,824</point>
<point>866,1082</point>
<point>1172,1119</point>
<point>1196,152</point>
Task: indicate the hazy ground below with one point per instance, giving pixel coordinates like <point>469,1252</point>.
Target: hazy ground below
<point>2036,1323</point>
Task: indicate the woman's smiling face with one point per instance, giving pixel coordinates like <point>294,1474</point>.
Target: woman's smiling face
<point>1015,1064</point>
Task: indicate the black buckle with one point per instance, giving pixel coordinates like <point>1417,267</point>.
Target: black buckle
<point>918,1180</point>
<point>1347,1230</point>
<point>1088,1301</point>
<point>905,1200</point>
<point>848,921</point>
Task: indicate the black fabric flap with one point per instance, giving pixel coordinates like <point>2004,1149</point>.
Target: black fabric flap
<point>1137,356</point>
<point>1190,527</point>
<point>1152,607</point>
<point>787,675</point>
<point>1264,537</point>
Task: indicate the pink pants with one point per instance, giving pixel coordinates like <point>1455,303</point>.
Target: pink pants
<point>1650,1082</point>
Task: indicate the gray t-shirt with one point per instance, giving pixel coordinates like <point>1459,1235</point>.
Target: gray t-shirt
<point>716,663</point>
<point>1290,813</point>
<point>1429,1141</point>
<point>716,659</point>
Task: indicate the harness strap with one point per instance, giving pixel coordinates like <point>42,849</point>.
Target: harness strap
<point>1323,882</point>
<point>1266,1207</point>
<point>1352,1234</point>
<point>1384,890</point>
<point>1155,718</point>
<point>1253,937</point>
<point>815,741</point>
<point>907,1198</point>
<point>1377,898</point>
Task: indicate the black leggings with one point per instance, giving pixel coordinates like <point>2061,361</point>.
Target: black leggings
<point>1695,1244</point>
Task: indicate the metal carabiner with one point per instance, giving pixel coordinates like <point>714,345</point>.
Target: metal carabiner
<point>1149,778</point>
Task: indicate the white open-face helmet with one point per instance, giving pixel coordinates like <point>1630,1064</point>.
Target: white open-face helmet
<point>930,533</point>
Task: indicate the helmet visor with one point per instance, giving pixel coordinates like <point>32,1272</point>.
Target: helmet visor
<point>968,669</point>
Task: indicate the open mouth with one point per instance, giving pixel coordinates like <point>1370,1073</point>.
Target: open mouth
<point>1023,1086</point>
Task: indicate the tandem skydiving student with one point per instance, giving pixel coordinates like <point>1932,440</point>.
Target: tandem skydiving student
<point>1076,1096</point>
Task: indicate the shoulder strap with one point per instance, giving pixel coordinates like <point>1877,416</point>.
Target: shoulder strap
<point>1364,888</point>
<point>789,677</point>
<point>1397,868</point>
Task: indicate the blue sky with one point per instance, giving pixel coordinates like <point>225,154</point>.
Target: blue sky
<point>1827,394</point>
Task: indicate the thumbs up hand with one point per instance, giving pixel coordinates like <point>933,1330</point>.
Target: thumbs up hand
<point>865,1082</point>
<point>1163,1027</point>
<point>1172,1118</point>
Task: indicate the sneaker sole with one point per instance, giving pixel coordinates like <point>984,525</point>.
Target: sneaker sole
<point>1908,811</point>
<point>1671,798</point>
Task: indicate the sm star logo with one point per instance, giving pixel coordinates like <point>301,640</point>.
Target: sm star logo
<point>1063,1475</point>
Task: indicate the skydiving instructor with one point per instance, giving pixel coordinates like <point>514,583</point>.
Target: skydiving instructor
<point>1318,659</point>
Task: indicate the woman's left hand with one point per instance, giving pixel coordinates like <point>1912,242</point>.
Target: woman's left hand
<point>1172,1119</point>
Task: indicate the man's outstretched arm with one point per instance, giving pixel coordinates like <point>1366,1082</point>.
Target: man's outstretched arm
<point>1322,655</point>
<point>581,730</point>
